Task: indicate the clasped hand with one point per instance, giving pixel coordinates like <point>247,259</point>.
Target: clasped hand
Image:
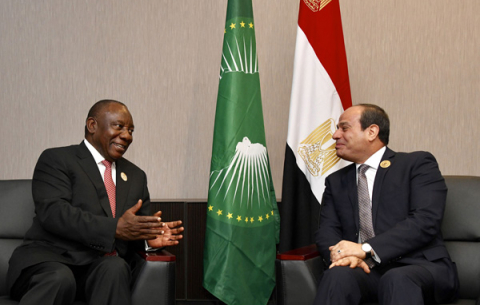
<point>151,228</point>
<point>347,253</point>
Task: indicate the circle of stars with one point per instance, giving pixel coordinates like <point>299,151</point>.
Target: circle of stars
<point>239,218</point>
<point>242,24</point>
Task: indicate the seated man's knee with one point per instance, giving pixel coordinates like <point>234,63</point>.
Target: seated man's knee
<point>395,278</point>
<point>338,277</point>
<point>113,267</point>
<point>58,277</point>
<point>406,284</point>
<point>339,285</point>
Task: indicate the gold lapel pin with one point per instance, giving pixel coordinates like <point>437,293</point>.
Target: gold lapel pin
<point>385,164</point>
<point>124,176</point>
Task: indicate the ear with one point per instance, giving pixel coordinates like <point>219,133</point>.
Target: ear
<point>372,132</point>
<point>91,125</point>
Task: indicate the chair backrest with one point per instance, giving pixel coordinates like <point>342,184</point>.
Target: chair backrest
<point>461,231</point>
<point>16,214</point>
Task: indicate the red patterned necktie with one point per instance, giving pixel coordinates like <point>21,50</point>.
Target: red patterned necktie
<point>109,185</point>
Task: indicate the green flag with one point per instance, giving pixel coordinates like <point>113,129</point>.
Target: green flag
<point>242,216</point>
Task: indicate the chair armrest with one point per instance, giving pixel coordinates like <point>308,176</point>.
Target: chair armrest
<point>297,273</point>
<point>154,278</point>
<point>159,256</point>
<point>299,254</point>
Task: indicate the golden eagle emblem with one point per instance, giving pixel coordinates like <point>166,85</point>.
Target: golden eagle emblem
<point>318,149</point>
<point>316,5</point>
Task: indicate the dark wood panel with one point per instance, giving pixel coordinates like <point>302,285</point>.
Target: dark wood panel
<point>189,252</point>
<point>175,211</point>
<point>196,217</point>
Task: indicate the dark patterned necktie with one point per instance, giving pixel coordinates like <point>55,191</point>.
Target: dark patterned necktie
<point>365,209</point>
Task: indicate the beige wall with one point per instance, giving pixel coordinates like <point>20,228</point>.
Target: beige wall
<point>417,59</point>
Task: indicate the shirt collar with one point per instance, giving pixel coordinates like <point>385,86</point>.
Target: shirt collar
<point>96,155</point>
<point>374,159</point>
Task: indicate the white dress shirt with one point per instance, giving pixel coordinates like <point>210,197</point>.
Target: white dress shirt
<point>98,159</point>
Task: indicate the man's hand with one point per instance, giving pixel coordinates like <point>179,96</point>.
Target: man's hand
<point>344,249</point>
<point>171,235</point>
<point>133,227</point>
<point>353,262</point>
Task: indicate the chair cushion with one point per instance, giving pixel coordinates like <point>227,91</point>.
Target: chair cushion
<point>460,221</point>
<point>15,219</point>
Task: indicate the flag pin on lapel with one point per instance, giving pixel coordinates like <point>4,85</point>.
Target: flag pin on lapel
<point>383,164</point>
<point>124,176</point>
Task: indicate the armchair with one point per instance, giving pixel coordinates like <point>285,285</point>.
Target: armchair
<point>154,282</point>
<point>298,270</point>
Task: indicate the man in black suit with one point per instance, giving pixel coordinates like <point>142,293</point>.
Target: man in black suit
<point>392,251</point>
<point>83,235</point>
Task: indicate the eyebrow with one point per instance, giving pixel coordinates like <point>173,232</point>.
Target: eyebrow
<point>342,124</point>
<point>122,122</point>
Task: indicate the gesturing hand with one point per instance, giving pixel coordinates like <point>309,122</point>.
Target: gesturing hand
<point>170,237</point>
<point>133,227</point>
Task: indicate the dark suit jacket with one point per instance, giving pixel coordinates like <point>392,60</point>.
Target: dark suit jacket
<point>73,222</point>
<point>408,203</point>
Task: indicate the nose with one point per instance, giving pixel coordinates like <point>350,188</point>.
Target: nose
<point>126,135</point>
<point>336,134</point>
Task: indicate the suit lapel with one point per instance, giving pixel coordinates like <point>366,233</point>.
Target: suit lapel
<point>123,185</point>
<point>350,183</point>
<point>86,161</point>
<point>378,183</point>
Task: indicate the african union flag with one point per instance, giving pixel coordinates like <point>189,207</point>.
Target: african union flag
<point>242,216</point>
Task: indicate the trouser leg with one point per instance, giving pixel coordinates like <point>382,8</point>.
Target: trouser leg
<point>46,283</point>
<point>406,285</point>
<point>346,286</point>
<point>107,281</point>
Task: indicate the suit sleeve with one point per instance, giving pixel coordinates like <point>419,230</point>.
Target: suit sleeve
<point>53,194</point>
<point>330,229</point>
<point>425,197</point>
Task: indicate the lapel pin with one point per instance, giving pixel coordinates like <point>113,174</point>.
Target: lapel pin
<point>385,164</point>
<point>124,176</point>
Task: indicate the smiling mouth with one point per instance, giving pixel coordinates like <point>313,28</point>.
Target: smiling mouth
<point>120,146</point>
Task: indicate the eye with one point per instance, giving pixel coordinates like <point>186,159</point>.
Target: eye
<point>130,131</point>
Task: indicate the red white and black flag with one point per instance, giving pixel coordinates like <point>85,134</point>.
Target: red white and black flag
<point>320,93</point>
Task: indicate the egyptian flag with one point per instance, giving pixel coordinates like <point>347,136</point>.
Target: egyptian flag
<point>320,93</point>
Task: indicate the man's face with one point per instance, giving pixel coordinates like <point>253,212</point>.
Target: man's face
<point>112,131</point>
<point>352,141</point>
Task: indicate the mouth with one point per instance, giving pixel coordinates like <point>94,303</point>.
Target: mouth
<point>120,147</point>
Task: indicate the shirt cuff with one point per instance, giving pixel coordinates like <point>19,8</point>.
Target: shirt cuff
<point>375,257</point>
<point>150,249</point>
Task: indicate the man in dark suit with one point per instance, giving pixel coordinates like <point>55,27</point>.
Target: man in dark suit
<point>91,209</point>
<point>380,220</point>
